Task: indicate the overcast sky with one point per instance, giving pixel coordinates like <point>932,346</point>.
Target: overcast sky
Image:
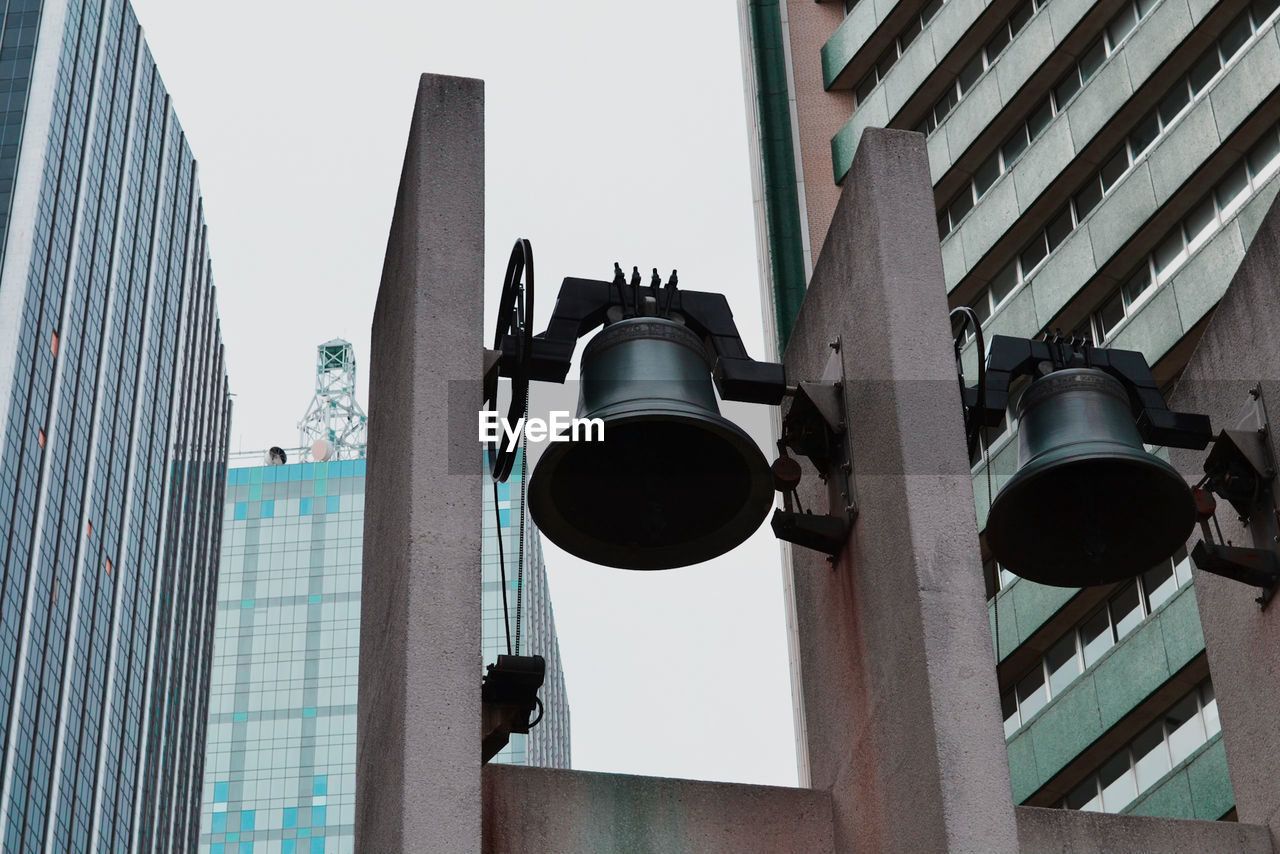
<point>615,131</point>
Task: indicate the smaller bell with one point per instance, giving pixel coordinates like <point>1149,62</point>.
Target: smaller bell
<point>674,482</point>
<point>1088,505</point>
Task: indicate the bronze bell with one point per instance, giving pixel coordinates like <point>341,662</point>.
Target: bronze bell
<point>1088,505</point>
<point>673,482</point>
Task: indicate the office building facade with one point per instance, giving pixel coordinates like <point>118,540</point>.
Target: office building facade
<point>1099,167</point>
<point>281,755</point>
<point>114,414</point>
<point>280,769</point>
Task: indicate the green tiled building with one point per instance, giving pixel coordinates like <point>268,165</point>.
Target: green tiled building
<point>1099,167</point>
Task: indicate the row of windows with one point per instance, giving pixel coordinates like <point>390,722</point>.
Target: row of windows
<point>304,471</point>
<point>296,785</point>
<point>1176,101</point>
<point>1179,732</point>
<point>296,489</point>
<point>981,61</point>
<point>262,745</point>
<point>1038,118</point>
<point>1204,221</point>
<point>1081,647</point>
<point>267,508</point>
<point>895,50</point>
<point>302,845</point>
<point>232,821</point>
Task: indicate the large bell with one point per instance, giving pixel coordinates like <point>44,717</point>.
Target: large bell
<point>1088,505</point>
<point>673,483</point>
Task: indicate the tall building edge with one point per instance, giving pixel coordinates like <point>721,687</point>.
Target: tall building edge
<point>1099,166</point>
<point>777,181</point>
<point>761,25</point>
<point>115,410</point>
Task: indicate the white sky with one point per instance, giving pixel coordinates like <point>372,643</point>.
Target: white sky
<point>615,131</point>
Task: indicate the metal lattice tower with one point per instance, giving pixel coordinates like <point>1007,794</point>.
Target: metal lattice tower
<point>334,415</point>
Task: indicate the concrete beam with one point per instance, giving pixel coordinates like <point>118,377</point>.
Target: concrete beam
<point>1049,831</point>
<point>896,664</point>
<point>543,810</point>
<point>418,743</point>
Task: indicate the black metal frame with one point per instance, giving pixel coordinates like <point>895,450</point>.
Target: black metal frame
<point>1009,358</point>
<point>1240,469</point>
<point>813,426</point>
<point>508,696</point>
<point>584,304</point>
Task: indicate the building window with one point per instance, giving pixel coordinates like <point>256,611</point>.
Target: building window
<point>1206,218</point>
<point>1160,748</point>
<point>1082,646</point>
<point>1038,118</point>
<point>996,576</point>
<point>1231,192</point>
<point>894,51</point>
<point>978,64</point>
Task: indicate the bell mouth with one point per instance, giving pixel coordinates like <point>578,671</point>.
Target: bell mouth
<point>661,491</point>
<point>1095,517</point>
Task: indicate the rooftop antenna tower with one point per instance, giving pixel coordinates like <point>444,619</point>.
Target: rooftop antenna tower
<point>334,427</point>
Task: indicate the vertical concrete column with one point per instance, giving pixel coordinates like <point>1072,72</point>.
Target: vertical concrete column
<point>895,654</point>
<point>418,756</point>
<point>1240,349</point>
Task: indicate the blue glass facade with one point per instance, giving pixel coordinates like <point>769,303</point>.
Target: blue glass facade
<point>114,412</point>
<point>281,757</point>
<point>280,768</point>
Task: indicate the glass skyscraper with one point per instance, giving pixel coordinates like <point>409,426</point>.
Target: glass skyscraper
<point>280,772</point>
<point>114,414</point>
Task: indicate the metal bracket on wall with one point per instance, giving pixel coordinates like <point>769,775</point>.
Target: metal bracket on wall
<point>1241,470</point>
<point>508,696</point>
<point>814,427</point>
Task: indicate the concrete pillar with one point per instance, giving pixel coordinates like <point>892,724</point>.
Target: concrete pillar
<point>418,757</point>
<point>895,655</point>
<point>1240,348</point>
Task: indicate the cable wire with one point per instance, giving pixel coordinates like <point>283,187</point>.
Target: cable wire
<point>524,479</point>
<point>502,564</point>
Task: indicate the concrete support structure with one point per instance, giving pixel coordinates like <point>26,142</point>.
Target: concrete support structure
<point>1240,349</point>
<point>897,669</point>
<point>896,663</point>
<point>418,760</point>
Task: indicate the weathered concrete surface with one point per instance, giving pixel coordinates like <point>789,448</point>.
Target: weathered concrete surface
<point>1239,349</point>
<point>895,653</point>
<point>1049,831</point>
<point>543,810</point>
<point>418,748</point>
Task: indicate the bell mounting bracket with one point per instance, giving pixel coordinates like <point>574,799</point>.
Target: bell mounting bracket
<point>584,304</point>
<point>1241,470</point>
<point>814,427</point>
<point>508,696</point>
<point>1009,358</point>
